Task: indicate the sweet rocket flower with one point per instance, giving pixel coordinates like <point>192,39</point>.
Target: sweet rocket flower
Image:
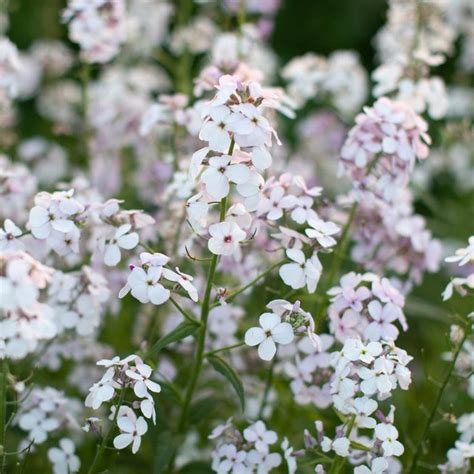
<point>38,423</point>
<point>463,255</point>
<point>263,461</point>
<point>43,220</point>
<point>225,238</point>
<point>272,331</point>
<point>322,232</point>
<point>102,391</point>
<point>260,436</point>
<point>303,211</point>
<point>354,350</point>
<point>141,374</point>
<point>220,172</point>
<point>8,236</point>
<point>63,458</point>
<point>383,316</point>
<point>122,239</point>
<point>233,460</point>
<point>378,466</point>
<point>388,434</point>
<point>183,280</point>
<point>274,205</point>
<point>145,286</point>
<point>303,272</point>
<point>132,430</point>
<point>215,130</point>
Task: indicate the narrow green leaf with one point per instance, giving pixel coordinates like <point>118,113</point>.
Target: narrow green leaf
<point>196,467</point>
<point>230,374</point>
<point>185,329</point>
<point>202,409</point>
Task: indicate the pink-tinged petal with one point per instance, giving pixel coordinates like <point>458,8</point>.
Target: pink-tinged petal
<point>283,333</point>
<point>63,225</point>
<point>142,426</point>
<point>239,174</point>
<point>126,424</point>
<point>158,294</point>
<point>128,241</point>
<point>254,336</point>
<point>267,349</point>
<point>41,232</point>
<point>292,275</point>
<point>136,444</point>
<point>261,158</point>
<point>112,255</point>
<point>153,386</point>
<point>122,441</point>
<point>268,321</point>
<point>38,216</point>
<point>375,310</point>
<point>140,389</point>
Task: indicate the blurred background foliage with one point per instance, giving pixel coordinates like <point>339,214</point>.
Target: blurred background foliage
<point>321,26</point>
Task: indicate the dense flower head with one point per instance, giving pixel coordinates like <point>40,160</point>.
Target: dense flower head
<point>380,151</point>
<point>366,306</point>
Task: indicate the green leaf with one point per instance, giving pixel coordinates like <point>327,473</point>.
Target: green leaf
<point>164,451</point>
<point>202,409</point>
<point>230,374</point>
<point>196,467</point>
<point>170,392</point>
<point>185,329</point>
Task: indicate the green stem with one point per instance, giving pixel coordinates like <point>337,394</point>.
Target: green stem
<point>439,396</point>
<point>339,254</point>
<point>202,334</point>
<point>338,462</point>
<point>3,411</point>
<point>225,348</point>
<point>184,312</point>
<point>233,295</point>
<point>268,386</point>
<point>105,439</point>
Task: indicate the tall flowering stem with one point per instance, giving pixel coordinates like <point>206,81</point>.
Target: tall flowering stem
<point>439,396</point>
<point>3,410</point>
<point>339,254</point>
<point>106,437</point>
<point>206,306</point>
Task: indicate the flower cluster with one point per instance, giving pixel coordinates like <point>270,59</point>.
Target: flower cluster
<point>98,27</point>
<point>365,306</point>
<point>244,452</point>
<point>144,280</point>
<point>340,78</point>
<point>382,147</point>
<point>25,320</point>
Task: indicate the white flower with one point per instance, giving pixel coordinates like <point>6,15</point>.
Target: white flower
<point>272,331</point>
<point>341,446</point>
<point>322,232</point>
<point>378,466</point>
<point>263,461</point>
<point>8,236</point>
<point>102,391</point>
<point>274,205</point>
<point>182,279</point>
<point>220,171</point>
<point>43,220</point>
<point>38,424</point>
<point>121,239</point>
<point>132,431</point>
<point>354,350</point>
<point>64,460</point>
<point>225,238</point>
<point>302,272</point>
<point>145,286</point>
<point>233,460</point>
<point>260,436</point>
<point>141,375</point>
<point>463,255</point>
<point>381,327</point>
<point>216,130</point>
<point>388,434</point>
